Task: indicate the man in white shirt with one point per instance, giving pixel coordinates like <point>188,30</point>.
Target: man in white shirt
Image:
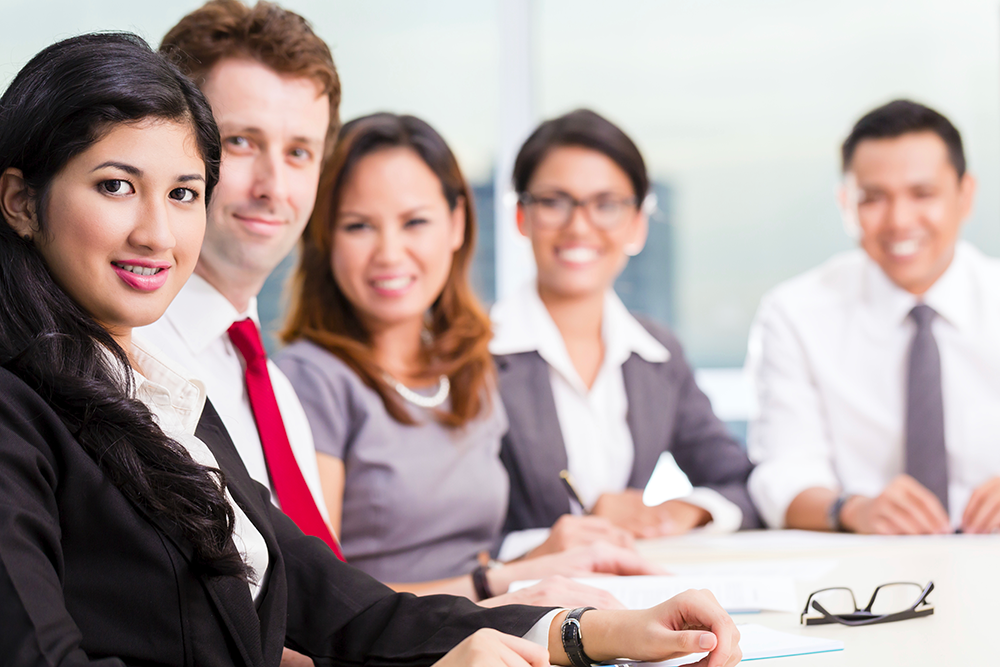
<point>878,373</point>
<point>274,92</point>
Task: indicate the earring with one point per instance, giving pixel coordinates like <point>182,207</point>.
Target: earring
<point>632,249</point>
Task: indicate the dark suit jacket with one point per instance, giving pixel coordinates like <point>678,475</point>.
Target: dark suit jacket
<point>666,412</point>
<point>87,578</point>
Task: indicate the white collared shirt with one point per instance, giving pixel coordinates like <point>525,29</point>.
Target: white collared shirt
<point>176,401</point>
<point>828,354</point>
<point>194,333</point>
<point>599,446</point>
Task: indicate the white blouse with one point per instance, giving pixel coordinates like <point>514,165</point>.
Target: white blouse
<point>176,401</point>
<point>599,446</point>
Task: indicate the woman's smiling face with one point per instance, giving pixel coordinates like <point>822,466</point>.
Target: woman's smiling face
<point>578,258</point>
<point>394,238</point>
<point>123,221</point>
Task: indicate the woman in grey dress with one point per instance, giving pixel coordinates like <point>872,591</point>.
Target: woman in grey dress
<point>389,355</point>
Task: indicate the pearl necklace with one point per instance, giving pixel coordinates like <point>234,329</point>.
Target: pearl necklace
<point>444,387</point>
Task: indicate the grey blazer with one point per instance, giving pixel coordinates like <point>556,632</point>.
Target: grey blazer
<point>666,412</point>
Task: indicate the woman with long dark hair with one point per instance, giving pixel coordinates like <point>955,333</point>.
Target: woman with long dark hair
<point>130,532</point>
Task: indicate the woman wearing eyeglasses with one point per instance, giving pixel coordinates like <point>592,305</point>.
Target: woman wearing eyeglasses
<point>588,387</point>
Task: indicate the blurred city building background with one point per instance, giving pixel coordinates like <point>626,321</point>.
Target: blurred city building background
<point>738,107</point>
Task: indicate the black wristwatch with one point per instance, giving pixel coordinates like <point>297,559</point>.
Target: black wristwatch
<point>481,583</point>
<point>572,638</point>
<point>833,514</point>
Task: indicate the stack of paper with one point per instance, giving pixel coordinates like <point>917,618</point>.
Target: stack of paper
<point>758,642</point>
<point>737,594</point>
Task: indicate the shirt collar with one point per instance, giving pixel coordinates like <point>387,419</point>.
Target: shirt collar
<point>521,323</point>
<point>165,386</point>
<point>201,314</point>
<point>952,296</point>
<point>623,334</point>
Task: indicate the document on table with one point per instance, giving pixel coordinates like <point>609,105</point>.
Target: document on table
<point>758,643</point>
<point>800,569</point>
<point>735,593</point>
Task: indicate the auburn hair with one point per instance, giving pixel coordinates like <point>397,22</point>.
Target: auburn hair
<point>275,37</point>
<point>459,327</point>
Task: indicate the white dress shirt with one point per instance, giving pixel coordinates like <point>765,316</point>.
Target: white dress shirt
<point>176,401</point>
<point>194,333</point>
<point>828,354</point>
<point>599,446</point>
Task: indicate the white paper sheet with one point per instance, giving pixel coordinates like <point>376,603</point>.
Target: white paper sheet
<point>758,642</point>
<point>799,569</point>
<point>765,540</point>
<point>735,593</point>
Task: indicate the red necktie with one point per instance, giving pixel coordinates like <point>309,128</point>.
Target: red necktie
<point>289,484</point>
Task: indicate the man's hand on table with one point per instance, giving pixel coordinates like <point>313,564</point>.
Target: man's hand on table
<point>905,507</point>
<point>982,514</point>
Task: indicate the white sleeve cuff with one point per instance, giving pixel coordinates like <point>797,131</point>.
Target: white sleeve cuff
<point>727,517</point>
<point>539,632</point>
<point>774,484</point>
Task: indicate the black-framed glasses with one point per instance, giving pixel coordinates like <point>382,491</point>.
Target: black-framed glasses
<point>896,601</point>
<point>554,210</point>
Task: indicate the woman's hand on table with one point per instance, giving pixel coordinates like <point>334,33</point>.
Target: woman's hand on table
<point>573,531</point>
<point>587,561</point>
<point>627,511</point>
<point>692,622</point>
<point>492,648</point>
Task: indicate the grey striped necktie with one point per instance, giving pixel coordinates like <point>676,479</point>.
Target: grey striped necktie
<point>926,457</point>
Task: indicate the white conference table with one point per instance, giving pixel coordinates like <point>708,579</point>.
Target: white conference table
<point>965,569</point>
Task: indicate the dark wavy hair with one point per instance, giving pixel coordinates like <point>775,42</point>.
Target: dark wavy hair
<point>64,100</point>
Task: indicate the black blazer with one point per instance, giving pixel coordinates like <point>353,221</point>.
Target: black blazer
<point>88,578</point>
<point>666,412</point>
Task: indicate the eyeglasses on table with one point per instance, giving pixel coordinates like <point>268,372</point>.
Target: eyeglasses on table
<point>895,601</point>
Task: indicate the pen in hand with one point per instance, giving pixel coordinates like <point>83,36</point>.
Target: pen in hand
<point>567,480</point>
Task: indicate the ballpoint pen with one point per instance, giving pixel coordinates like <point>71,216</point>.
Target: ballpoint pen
<point>567,480</point>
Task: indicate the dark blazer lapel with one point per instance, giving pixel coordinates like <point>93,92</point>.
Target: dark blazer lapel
<point>230,595</point>
<point>537,446</point>
<point>648,415</point>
